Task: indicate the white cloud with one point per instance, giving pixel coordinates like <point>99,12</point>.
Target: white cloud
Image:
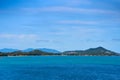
<point>18,36</point>
<point>75,2</point>
<point>77,22</point>
<point>69,9</point>
<point>78,31</point>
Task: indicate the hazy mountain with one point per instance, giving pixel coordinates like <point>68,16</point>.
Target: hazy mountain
<point>49,50</point>
<point>42,49</point>
<point>8,50</point>
<point>99,51</point>
<point>28,50</point>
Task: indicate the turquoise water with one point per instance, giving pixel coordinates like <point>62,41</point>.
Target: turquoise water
<point>60,68</point>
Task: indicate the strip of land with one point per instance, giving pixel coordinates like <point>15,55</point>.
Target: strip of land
<point>99,51</point>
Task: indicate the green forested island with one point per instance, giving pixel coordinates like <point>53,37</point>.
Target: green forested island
<point>99,51</point>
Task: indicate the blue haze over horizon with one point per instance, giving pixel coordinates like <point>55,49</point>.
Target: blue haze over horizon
<point>60,24</point>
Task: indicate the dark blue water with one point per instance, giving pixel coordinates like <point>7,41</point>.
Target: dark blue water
<point>59,68</point>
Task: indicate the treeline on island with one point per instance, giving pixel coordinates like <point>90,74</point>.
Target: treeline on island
<point>31,53</point>
<point>99,51</point>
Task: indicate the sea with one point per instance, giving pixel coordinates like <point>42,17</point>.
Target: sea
<point>60,68</point>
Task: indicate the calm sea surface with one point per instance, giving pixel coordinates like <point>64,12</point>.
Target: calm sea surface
<point>60,68</point>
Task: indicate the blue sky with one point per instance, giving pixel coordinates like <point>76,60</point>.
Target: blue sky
<point>60,24</point>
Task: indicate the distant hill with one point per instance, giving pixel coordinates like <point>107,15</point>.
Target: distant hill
<point>49,50</point>
<point>5,50</point>
<point>42,49</point>
<point>99,51</point>
<point>28,50</point>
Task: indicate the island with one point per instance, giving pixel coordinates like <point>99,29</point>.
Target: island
<point>99,51</point>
